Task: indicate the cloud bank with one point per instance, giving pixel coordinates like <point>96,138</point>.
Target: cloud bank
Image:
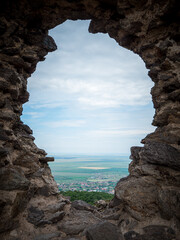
<point>88,92</point>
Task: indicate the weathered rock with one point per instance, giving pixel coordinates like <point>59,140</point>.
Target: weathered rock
<point>77,222</point>
<point>3,152</point>
<point>152,233</point>
<point>132,235</point>
<point>67,238</point>
<point>3,136</point>
<point>47,236</point>
<point>169,204</point>
<point>103,231</point>
<point>12,179</point>
<point>57,217</point>
<point>133,193</point>
<point>44,191</point>
<point>161,154</point>
<point>35,215</point>
<point>101,203</point>
<point>158,233</point>
<point>56,207</point>
<point>151,192</point>
<point>46,159</point>
<point>81,205</point>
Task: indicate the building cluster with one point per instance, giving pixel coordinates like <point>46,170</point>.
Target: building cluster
<point>89,186</point>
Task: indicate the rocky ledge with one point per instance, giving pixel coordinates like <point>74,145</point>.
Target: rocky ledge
<point>146,203</point>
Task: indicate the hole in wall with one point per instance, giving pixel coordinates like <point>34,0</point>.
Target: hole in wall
<point>89,103</point>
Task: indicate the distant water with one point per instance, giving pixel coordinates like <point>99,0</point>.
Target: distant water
<point>89,173</point>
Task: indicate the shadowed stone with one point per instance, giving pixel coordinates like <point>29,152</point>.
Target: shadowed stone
<point>81,205</point>
<point>44,191</point>
<point>77,222</point>
<point>3,152</point>
<point>155,232</point>
<point>132,235</point>
<point>12,179</point>
<point>35,215</point>
<point>161,154</point>
<point>46,159</point>
<point>103,231</point>
<point>152,232</point>
<point>47,236</point>
<point>56,217</point>
<point>56,207</point>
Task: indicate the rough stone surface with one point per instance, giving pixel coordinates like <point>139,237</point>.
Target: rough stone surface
<point>152,233</point>
<point>103,231</point>
<point>56,217</point>
<point>149,196</point>
<point>161,154</point>
<point>47,236</point>
<point>81,205</point>
<point>35,215</point>
<point>13,179</point>
<point>77,221</point>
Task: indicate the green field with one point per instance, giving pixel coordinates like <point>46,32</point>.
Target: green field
<point>89,197</point>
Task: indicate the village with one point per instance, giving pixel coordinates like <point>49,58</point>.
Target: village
<point>89,186</point>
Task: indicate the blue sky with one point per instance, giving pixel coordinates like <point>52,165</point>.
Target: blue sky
<point>91,96</point>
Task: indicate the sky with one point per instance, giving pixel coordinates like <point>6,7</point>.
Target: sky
<point>90,96</point>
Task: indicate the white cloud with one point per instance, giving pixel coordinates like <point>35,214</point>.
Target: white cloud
<point>34,115</point>
<point>90,71</point>
<point>65,123</point>
<point>86,92</point>
<point>95,92</point>
<point>120,133</point>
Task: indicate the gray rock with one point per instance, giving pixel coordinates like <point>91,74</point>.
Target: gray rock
<point>132,235</point>
<point>103,231</point>
<point>168,201</point>
<point>115,202</point>
<point>161,154</point>
<point>56,207</point>
<point>12,179</point>
<point>2,205</point>
<point>152,232</point>
<point>158,232</point>
<point>47,236</point>
<point>67,238</point>
<point>35,215</point>
<point>133,193</point>
<point>77,222</point>
<point>46,159</point>
<point>49,43</point>
<point>3,152</point>
<point>6,223</point>
<point>72,229</point>
<point>43,222</point>
<point>7,116</point>
<point>112,217</point>
<point>81,205</point>
<point>44,191</point>
<point>3,135</point>
<point>135,153</point>
<point>71,238</point>
<point>101,204</point>
<point>57,217</point>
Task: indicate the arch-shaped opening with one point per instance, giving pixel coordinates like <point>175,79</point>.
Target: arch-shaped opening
<point>147,200</point>
<point>90,103</point>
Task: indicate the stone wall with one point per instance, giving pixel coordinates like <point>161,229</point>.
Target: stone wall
<point>146,204</point>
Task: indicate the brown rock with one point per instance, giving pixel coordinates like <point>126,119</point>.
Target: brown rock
<point>103,231</point>
<point>150,193</point>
